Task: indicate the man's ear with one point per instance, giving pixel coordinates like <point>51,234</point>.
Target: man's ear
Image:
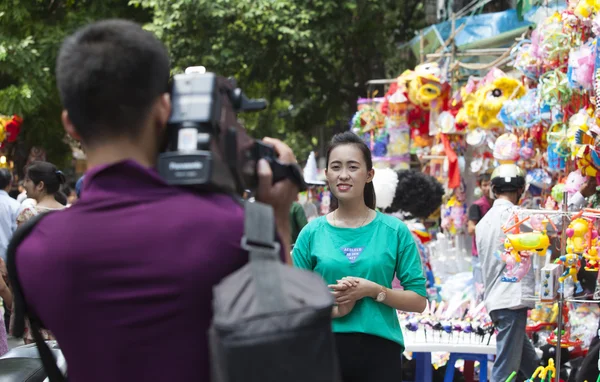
<point>68,125</point>
<point>163,109</point>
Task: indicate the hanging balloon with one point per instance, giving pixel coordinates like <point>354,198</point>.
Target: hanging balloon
<point>13,128</point>
<point>539,178</point>
<point>447,123</point>
<point>506,148</point>
<point>476,138</point>
<point>557,192</point>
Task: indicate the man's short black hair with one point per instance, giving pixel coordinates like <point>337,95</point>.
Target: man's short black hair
<point>5,178</point>
<point>109,74</point>
<point>485,177</point>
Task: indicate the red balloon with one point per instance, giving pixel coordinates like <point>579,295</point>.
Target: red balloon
<point>13,128</point>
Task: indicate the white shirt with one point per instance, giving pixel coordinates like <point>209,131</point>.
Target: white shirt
<point>576,202</point>
<point>22,196</point>
<point>490,239</point>
<point>29,202</point>
<point>9,209</point>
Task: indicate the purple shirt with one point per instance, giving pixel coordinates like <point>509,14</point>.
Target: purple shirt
<point>124,277</point>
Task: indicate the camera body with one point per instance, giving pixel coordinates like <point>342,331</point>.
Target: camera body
<point>207,147</point>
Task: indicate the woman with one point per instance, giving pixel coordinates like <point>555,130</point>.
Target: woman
<point>6,296</point>
<point>358,251</point>
<point>42,183</point>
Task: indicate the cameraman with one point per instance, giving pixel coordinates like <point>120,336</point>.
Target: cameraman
<point>124,277</point>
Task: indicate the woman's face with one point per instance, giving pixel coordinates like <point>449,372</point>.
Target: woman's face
<point>347,173</point>
<point>32,191</point>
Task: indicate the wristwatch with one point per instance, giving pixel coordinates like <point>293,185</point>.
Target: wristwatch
<point>381,295</point>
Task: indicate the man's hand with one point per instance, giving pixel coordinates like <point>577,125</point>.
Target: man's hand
<point>589,187</point>
<point>280,195</point>
<point>283,193</point>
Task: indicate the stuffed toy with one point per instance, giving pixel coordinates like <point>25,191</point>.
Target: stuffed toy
<point>490,99</point>
<point>586,8</point>
<point>481,106</point>
<point>588,153</point>
<point>421,90</point>
<point>412,193</point>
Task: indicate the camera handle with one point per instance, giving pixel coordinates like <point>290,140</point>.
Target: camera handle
<point>291,171</point>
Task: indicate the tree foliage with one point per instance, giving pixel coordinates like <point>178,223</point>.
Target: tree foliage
<point>31,32</point>
<point>309,58</point>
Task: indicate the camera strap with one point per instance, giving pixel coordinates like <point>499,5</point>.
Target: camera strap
<point>259,241</point>
<point>20,311</point>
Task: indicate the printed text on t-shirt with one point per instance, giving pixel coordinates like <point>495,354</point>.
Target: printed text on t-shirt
<point>352,253</point>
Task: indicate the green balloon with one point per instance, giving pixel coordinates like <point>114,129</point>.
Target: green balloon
<point>557,192</point>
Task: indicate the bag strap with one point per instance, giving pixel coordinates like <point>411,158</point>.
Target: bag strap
<point>20,306</point>
<point>259,241</point>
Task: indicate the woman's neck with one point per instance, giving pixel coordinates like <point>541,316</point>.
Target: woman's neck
<point>351,210</point>
<point>48,201</point>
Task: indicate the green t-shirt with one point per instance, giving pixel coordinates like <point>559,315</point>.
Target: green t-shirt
<point>377,252</point>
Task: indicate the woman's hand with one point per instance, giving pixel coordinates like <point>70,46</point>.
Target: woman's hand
<point>342,309</point>
<point>351,289</point>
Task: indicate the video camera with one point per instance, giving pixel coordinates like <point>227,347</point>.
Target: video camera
<point>207,147</point>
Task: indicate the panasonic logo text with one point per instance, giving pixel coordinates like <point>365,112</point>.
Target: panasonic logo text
<point>186,166</point>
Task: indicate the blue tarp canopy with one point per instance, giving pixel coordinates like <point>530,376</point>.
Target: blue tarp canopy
<point>477,28</point>
<point>489,30</point>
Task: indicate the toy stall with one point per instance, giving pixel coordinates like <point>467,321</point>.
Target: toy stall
<point>539,112</point>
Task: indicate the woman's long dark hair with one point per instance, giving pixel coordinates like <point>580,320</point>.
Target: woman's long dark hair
<point>53,178</point>
<point>349,138</point>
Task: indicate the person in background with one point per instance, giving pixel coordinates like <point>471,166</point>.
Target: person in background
<point>6,296</point>
<point>9,209</point>
<point>476,212</point>
<point>71,193</point>
<point>506,302</point>
<point>42,182</point>
<point>358,251</point>
<point>579,200</point>
<point>22,193</point>
<point>79,186</point>
<point>297,220</point>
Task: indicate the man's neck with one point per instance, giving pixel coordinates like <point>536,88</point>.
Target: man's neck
<point>507,198</point>
<point>116,152</point>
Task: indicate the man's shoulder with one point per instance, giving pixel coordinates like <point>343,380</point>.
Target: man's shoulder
<point>171,213</point>
<point>5,199</point>
<point>68,235</point>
